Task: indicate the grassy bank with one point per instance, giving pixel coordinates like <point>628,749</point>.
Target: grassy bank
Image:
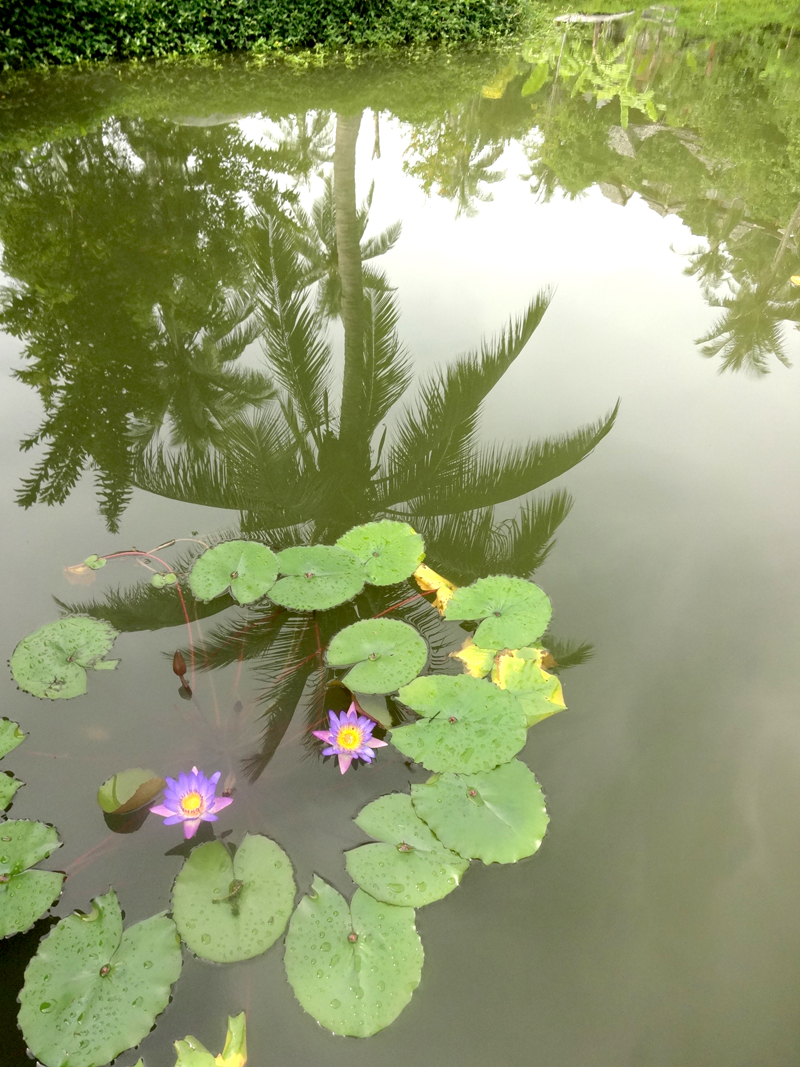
<point>44,32</point>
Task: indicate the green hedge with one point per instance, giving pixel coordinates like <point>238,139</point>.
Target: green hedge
<point>36,32</point>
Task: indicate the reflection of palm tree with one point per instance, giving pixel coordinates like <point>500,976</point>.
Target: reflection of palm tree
<point>303,144</point>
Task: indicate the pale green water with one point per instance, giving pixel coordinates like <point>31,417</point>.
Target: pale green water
<point>658,925</point>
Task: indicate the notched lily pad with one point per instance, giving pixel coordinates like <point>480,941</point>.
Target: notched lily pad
<point>317,577</point>
<point>247,568</point>
<point>163,579</point>
<point>10,736</point>
<point>409,867</point>
<point>52,662</point>
<point>520,671</point>
<point>468,725</point>
<point>25,895</point>
<point>229,909</point>
<point>386,654</point>
<point>8,787</point>
<point>354,968</point>
<point>193,1053</point>
<point>92,990</point>
<point>515,612</point>
<point>129,790</point>
<point>389,550</point>
<point>496,816</point>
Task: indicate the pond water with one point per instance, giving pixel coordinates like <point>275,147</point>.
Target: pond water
<point>193,257</point>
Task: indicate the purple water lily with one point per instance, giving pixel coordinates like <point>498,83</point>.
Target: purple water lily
<point>191,800</point>
<point>350,737</point>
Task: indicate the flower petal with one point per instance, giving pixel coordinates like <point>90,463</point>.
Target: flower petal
<point>215,777</point>
<point>220,803</point>
<point>323,735</point>
<point>375,743</point>
<point>173,820</point>
<point>344,762</point>
<point>163,810</point>
<point>208,816</point>
<point>190,828</point>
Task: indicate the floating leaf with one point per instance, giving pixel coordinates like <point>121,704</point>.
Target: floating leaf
<point>129,790</point>
<point>10,736</point>
<point>162,579</point>
<point>387,653</point>
<point>519,671</point>
<point>515,612</point>
<point>389,550</point>
<point>374,706</point>
<point>470,725</point>
<point>8,787</point>
<point>353,968</point>
<point>92,991</point>
<point>477,661</point>
<point>95,562</point>
<point>192,1053</point>
<point>25,895</point>
<point>431,582</point>
<point>247,568</point>
<point>318,577</point>
<point>232,909</point>
<point>410,868</point>
<point>52,662</point>
<point>496,816</point>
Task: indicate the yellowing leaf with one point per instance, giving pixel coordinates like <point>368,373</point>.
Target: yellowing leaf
<point>520,671</point>
<point>477,661</point>
<point>431,582</point>
<point>192,1053</point>
<point>795,279</point>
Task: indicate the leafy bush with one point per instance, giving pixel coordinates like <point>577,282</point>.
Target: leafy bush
<point>64,31</point>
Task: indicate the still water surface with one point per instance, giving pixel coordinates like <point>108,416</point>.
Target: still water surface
<point>649,183</point>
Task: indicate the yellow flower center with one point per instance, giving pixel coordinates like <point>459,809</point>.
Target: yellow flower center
<point>191,803</point>
<point>350,738</point>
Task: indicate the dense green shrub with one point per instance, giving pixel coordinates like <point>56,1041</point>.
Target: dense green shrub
<point>64,31</point>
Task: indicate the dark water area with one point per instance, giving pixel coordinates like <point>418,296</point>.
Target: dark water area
<point>231,296</point>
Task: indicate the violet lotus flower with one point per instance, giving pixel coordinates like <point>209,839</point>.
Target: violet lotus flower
<point>350,737</point>
<point>191,800</point>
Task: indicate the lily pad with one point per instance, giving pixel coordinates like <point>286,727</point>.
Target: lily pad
<point>92,991</point>
<point>129,790</point>
<point>519,671</point>
<point>469,724</point>
<point>10,736</point>
<point>514,612</point>
<point>193,1053</point>
<point>353,968</point>
<point>8,787</point>
<point>317,577</point>
<point>496,816</point>
<point>25,895</point>
<point>247,568</point>
<point>387,653</point>
<point>52,662</point>
<point>163,579</point>
<point>389,550</point>
<point>230,909</point>
<point>374,706</point>
<point>410,867</point>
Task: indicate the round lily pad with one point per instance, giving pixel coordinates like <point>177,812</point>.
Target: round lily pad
<point>317,577</point>
<point>496,816</point>
<point>52,662</point>
<point>25,895</point>
<point>10,736</point>
<point>247,568</point>
<point>129,790</point>
<point>519,672</point>
<point>387,653</point>
<point>410,867</point>
<point>230,909</point>
<point>92,991</point>
<point>163,579</point>
<point>353,968</point>
<point>469,724</point>
<point>8,787</point>
<point>389,550</point>
<point>514,612</point>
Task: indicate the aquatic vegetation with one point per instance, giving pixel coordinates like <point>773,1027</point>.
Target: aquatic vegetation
<point>514,611</point>
<point>25,894</point>
<point>246,568</point>
<point>352,967</point>
<point>349,738</point>
<point>191,800</point>
<point>93,990</point>
<point>129,790</point>
<point>317,577</point>
<point>389,550</point>
<point>233,908</point>
<point>193,1053</point>
<point>382,654</point>
<point>52,662</point>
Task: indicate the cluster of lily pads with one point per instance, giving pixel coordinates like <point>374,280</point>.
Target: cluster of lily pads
<point>353,966</point>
